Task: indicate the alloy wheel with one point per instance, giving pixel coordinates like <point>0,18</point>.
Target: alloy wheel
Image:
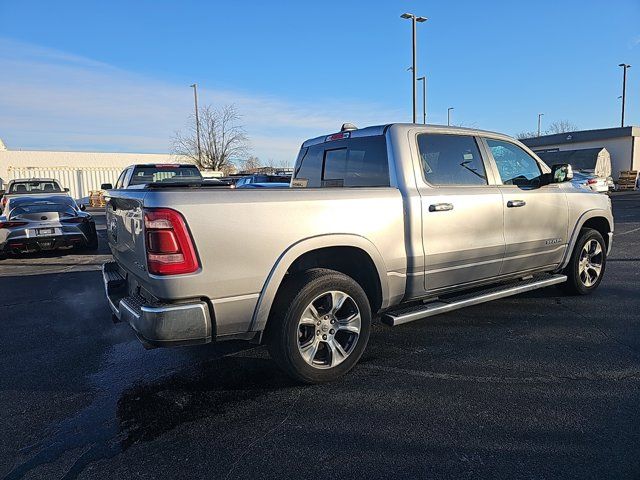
<point>590,262</point>
<point>328,329</point>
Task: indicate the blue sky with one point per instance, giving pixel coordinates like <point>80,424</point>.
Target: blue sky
<point>114,76</point>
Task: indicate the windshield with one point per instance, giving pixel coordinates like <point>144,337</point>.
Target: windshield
<point>35,187</point>
<point>165,174</point>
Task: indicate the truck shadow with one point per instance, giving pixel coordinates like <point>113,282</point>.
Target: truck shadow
<point>123,415</point>
<point>147,411</point>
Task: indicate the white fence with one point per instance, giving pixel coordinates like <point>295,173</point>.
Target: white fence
<point>79,180</point>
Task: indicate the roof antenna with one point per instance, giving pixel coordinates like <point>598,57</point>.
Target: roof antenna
<point>347,127</point>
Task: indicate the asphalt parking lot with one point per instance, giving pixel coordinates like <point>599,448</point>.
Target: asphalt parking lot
<point>535,386</point>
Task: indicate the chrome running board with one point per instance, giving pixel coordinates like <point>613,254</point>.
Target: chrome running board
<point>409,314</point>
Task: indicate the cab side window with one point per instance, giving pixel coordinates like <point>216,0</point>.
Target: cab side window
<point>516,167</point>
<point>451,160</point>
<point>120,181</point>
<point>350,162</point>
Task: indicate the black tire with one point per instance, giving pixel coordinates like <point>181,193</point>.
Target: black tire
<point>92,243</point>
<point>575,284</point>
<point>284,332</point>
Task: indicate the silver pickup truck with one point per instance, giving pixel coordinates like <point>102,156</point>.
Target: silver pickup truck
<point>405,221</point>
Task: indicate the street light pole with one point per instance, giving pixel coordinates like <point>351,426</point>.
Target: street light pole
<point>539,122</point>
<point>195,100</point>
<point>423,79</point>
<point>624,88</point>
<point>414,19</point>
<point>449,115</point>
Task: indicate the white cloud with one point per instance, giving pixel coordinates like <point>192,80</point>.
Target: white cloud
<point>55,100</point>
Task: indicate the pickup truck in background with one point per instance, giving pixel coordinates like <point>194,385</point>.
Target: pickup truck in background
<point>30,187</point>
<point>137,176</point>
<point>405,221</point>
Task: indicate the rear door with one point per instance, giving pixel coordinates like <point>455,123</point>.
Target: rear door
<point>535,214</point>
<point>462,215</point>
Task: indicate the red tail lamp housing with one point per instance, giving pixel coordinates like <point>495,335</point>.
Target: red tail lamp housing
<point>73,220</point>
<point>10,224</point>
<point>169,246</point>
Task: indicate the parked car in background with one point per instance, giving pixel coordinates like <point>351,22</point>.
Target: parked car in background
<point>32,187</point>
<point>264,185</point>
<point>591,181</point>
<point>137,176</point>
<point>263,179</point>
<point>406,220</point>
<point>40,223</point>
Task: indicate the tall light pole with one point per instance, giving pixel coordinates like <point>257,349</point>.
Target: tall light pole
<point>624,88</point>
<point>539,122</point>
<point>449,115</point>
<point>195,100</point>
<point>423,79</point>
<point>414,19</point>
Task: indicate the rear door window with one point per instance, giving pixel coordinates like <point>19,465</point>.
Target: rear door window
<point>451,160</point>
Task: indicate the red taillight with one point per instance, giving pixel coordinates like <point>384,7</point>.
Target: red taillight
<point>170,250</point>
<point>72,220</point>
<point>12,224</point>
<point>591,181</point>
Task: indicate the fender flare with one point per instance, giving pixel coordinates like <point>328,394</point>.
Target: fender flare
<point>589,214</point>
<point>294,251</point>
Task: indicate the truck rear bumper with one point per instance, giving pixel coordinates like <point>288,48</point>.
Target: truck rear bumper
<point>156,324</point>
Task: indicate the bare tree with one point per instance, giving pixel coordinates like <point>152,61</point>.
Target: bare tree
<point>222,139</point>
<point>250,163</point>
<point>561,126</point>
<point>523,135</point>
<point>278,164</point>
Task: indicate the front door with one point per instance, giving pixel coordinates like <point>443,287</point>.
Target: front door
<point>462,215</point>
<point>535,214</point>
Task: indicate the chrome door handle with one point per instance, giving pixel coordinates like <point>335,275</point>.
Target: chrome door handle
<point>440,207</point>
<point>516,203</point>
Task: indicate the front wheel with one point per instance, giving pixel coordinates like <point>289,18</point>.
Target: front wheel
<point>587,264</point>
<point>320,325</point>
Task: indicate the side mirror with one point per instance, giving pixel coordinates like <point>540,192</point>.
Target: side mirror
<point>106,186</point>
<point>82,207</point>
<point>66,189</point>
<point>561,172</point>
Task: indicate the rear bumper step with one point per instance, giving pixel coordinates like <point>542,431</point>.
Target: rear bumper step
<point>156,324</point>
<point>436,307</point>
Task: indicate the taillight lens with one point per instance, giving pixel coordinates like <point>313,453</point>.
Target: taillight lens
<point>12,224</point>
<point>591,181</point>
<point>170,250</point>
<point>72,220</point>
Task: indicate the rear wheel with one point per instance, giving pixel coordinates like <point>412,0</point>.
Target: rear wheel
<point>320,325</point>
<point>587,264</point>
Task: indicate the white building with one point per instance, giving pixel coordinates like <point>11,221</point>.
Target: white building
<point>623,145</point>
<point>80,172</point>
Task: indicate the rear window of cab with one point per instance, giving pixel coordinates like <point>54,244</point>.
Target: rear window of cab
<point>351,162</point>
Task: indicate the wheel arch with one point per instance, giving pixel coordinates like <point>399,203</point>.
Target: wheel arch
<point>597,219</point>
<point>341,252</point>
